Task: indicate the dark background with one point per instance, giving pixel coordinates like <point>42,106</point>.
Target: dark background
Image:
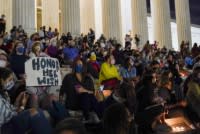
<point>194,10</point>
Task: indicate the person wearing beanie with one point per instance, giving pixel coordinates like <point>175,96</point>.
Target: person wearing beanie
<point>93,66</point>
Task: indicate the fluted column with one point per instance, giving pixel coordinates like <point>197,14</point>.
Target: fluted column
<point>139,20</point>
<point>87,13</point>
<point>24,13</point>
<point>160,12</point>
<point>6,9</point>
<point>183,21</point>
<point>50,13</point>
<point>112,25</point>
<point>70,10</point>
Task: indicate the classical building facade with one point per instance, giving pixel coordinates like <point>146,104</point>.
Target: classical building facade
<point>104,16</point>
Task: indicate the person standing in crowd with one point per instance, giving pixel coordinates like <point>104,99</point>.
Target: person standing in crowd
<point>2,25</point>
<point>137,41</point>
<point>91,37</point>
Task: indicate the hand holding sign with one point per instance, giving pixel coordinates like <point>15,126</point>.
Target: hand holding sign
<point>43,71</point>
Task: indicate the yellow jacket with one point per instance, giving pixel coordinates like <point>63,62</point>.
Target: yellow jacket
<point>108,72</point>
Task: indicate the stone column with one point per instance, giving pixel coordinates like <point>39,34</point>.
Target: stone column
<point>139,20</point>
<point>70,11</point>
<point>112,25</point>
<point>160,12</point>
<point>87,13</point>
<point>50,13</point>
<point>6,9</point>
<point>24,13</point>
<point>183,21</point>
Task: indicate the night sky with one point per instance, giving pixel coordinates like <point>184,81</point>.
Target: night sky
<point>194,10</point>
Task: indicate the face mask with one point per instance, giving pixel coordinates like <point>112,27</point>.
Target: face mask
<point>102,45</point>
<point>131,63</point>
<point>9,85</point>
<point>54,43</point>
<point>20,50</point>
<point>2,63</point>
<point>113,61</point>
<point>79,68</point>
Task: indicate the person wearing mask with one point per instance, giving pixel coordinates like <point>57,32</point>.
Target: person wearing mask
<point>109,75</point>
<point>3,60</point>
<point>128,71</point>
<point>118,54</point>
<point>52,49</point>
<point>93,66</point>
<point>74,83</point>
<point>18,59</point>
<point>36,50</point>
<point>15,117</point>
<point>39,93</point>
<point>2,25</point>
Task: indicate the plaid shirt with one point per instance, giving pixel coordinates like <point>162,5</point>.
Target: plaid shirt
<point>7,111</point>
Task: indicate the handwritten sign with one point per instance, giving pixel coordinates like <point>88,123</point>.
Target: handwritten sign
<point>43,71</point>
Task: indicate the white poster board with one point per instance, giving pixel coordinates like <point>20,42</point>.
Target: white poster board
<point>43,71</point>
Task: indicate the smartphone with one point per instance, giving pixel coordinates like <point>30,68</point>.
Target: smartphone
<point>101,87</point>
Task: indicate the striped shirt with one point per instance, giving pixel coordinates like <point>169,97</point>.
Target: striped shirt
<point>7,111</point>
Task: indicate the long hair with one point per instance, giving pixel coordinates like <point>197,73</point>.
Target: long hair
<point>115,120</point>
<point>84,73</point>
<point>127,92</point>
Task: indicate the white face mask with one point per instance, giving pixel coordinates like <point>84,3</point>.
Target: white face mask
<point>9,85</point>
<point>102,45</point>
<point>113,61</point>
<point>2,63</point>
<point>131,63</point>
<point>54,43</point>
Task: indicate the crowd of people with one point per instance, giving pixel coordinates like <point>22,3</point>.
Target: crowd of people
<point>111,90</point>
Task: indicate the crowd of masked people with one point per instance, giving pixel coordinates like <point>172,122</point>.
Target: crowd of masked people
<point>111,89</point>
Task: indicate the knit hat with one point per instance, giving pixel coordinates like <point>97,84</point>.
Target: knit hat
<point>93,57</point>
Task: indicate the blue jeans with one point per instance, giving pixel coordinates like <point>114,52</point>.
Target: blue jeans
<point>24,122</point>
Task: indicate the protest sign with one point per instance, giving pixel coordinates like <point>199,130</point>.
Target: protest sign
<point>43,71</point>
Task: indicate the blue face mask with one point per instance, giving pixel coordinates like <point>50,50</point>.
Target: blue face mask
<point>79,68</point>
<point>20,50</point>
